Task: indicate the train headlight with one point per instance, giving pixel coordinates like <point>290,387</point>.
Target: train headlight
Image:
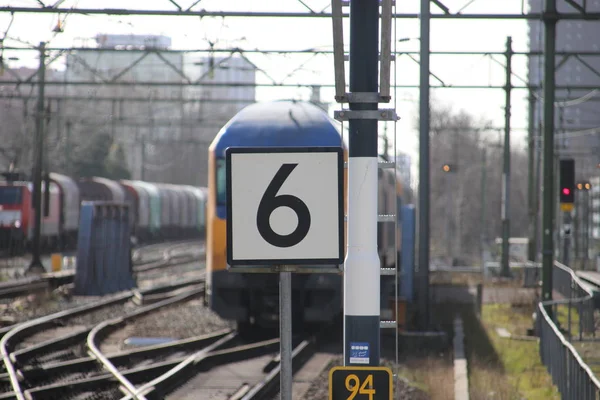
<point>17,224</point>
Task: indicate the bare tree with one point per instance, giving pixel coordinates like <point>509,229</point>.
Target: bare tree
<point>466,171</point>
<point>15,134</point>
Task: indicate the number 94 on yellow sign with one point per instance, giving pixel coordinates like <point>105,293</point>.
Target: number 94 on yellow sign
<point>360,383</point>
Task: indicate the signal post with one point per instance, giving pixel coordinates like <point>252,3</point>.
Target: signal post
<point>567,201</point>
<point>361,377</point>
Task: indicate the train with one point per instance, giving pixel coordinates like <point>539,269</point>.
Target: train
<point>158,211</point>
<point>251,299</point>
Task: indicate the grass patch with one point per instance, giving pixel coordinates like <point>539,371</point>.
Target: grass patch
<point>562,314</point>
<point>505,369</point>
<point>455,278</point>
<point>432,374</point>
<point>588,350</point>
<point>425,363</point>
<point>590,353</point>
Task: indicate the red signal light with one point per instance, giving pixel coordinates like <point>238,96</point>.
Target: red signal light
<point>566,191</point>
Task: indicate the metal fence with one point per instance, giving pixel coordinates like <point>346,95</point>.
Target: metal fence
<point>574,379</point>
<point>576,295</point>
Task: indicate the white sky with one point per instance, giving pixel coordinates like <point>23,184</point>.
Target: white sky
<point>302,33</point>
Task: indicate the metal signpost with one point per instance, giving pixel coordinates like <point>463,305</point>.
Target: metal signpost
<point>285,214</point>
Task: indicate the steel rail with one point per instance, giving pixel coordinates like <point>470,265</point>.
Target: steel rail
<point>100,329</point>
<point>205,359</point>
<point>46,281</point>
<point>23,355</point>
<point>11,289</point>
<point>79,364</point>
<point>15,290</point>
<point>40,323</point>
<point>136,374</point>
<point>269,386</point>
<point>169,259</point>
<point>150,386</point>
<point>156,247</point>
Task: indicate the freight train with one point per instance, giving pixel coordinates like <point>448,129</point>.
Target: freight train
<point>158,211</point>
<point>251,299</point>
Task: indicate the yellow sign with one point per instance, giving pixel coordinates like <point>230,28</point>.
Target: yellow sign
<point>360,383</point>
<point>566,206</point>
<point>56,260</point>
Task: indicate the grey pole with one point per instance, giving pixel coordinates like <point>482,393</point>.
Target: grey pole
<point>505,270</point>
<point>68,146</point>
<point>285,334</point>
<point>143,159</point>
<point>113,120</point>
<point>567,237</point>
<point>453,178</point>
<point>586,228</point>
<point>36,262</point>
<point>550,18</point>
<point>423,265</point>
<point>538,188</point>
<point>447,187</point>
<point>577,225</point>
<point>482,224</point>
<point>531,196</point>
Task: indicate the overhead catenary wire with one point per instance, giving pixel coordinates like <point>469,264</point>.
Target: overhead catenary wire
<point>575,16</point>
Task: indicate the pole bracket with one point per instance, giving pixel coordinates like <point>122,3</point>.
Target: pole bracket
<point>381,115</point>
<point>339,57</point>
<point>346,3</point>
<point>363,97</point>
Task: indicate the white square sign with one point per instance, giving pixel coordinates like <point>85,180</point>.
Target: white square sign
<point>284,205</point>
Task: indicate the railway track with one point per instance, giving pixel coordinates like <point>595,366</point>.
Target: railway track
<point>169,256</point>
<point>71,364</point>
<point>139,373</point>
<point>59,355</point>
<point>156,252</point>
<point>269,386</point>
<point>250,378</point>
<point>41,368</point>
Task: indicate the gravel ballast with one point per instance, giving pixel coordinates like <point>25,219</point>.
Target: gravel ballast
<point>402,389</point>
<point>180,321</point>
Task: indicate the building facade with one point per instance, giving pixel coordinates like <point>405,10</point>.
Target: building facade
<point>166,125</point>
<point>577,122</point>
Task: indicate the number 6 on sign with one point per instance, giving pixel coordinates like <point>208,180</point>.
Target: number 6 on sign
<point>285,206</point>
<point>270,201</point>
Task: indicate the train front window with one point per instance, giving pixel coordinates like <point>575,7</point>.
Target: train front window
<point>221,178</point>
<point>10,195</point>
